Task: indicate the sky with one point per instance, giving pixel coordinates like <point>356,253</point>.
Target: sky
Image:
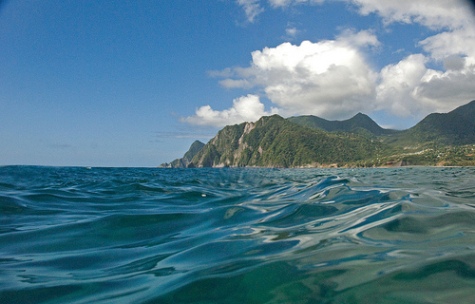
<point>134,83</point>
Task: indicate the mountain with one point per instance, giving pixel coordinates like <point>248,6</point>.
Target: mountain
<point>310,141</point>
<point>276,142</point>
<point>454,128</point>
<point>360,124</point>
<point>184,162</point>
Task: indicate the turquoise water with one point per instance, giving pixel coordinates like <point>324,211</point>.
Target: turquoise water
<point>136,235</point>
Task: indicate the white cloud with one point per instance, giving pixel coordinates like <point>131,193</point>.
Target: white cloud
<point>434,14</point>
<point>235,83</point>
<point>333,79</point>
<point>460,41</point>
<point>280,3</point>
<point>409,88</point>
<point>359,39</point>
<point>329,78</point>
<point>245,108</point>
<point>291,31</point>
<point>283,3</point>
<point>397,86</point>
<point>447,90</point>
<point>453,19</point>
<point>252,8</point>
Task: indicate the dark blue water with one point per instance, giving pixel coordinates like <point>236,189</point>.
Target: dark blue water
<point>130,235</point>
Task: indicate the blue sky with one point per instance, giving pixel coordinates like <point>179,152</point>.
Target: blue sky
<point>134,83</point>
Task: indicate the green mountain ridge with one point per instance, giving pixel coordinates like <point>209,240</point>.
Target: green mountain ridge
<point>185,161</point>
<point>276,142</point>
<point>310,141</point>
<point>360,123</point>
<point>454,128</point>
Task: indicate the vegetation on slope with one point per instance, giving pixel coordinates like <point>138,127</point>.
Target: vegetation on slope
<point>439,139</point>
<point>276,142</point>
<point>360,124</point>
<point>184,162</point>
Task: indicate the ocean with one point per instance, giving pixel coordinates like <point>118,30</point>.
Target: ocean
<point>237,235</point>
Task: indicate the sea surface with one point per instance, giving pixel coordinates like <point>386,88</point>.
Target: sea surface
<point>152,235</point>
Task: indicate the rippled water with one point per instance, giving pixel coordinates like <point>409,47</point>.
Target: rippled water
<point>132,235</point>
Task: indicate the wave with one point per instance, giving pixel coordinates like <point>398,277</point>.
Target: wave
<point>73,235</point>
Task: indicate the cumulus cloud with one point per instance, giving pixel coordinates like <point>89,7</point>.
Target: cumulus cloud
<point>396,91</point>
<point>425,90</point>
<point>447,90</point>
<point>442,45</point>
<point>245,108</point>
<point>410,88</point>
<point>453,19</point>
<point>454,63</point>
<point>434,14</point>
<point>329,78</point>
<point>333,78</point>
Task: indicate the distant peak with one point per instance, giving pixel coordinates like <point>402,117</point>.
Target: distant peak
<point>271,117</point>
<point>197,143</point>
<point>361,115</point>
